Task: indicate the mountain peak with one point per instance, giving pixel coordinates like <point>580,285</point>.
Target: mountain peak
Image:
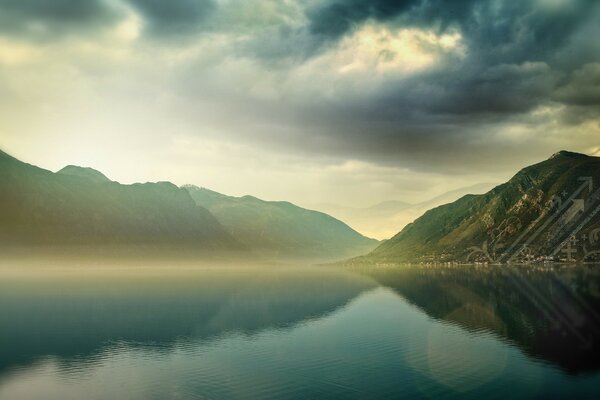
<point>84,172</point>
<point>4,156</point>
<point>567,154</point>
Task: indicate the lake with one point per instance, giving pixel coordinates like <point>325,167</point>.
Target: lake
<point>299,333</point>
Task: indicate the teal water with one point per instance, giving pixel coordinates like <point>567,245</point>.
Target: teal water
<point>281,333</point>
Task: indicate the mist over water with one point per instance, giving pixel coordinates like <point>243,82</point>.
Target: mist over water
<point>184,331</point>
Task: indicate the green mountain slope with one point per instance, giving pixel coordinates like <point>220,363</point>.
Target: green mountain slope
<point>548,211</point>
<point>84,172</point>
<point>282,229</point>
<point>82,207</point>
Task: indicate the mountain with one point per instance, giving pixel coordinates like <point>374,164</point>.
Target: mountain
<point>548,211</point>
<point>282,229</point>
<point>84,172</point>
<point>383,220</point>
<point>80,206</point>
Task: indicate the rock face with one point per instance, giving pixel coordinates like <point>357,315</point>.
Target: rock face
<point>78,206</point>
<point>281,229</point>
<point>548,211</point>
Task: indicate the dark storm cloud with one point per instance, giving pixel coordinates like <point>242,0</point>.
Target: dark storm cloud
<point>580,92</point>
<point>526,27</point>
<point>174,17</point>
<point>47,19</point>
<point>333,19</point>
<point>494,89</point>
<point>520,55</point>
<point>583,88</point>
<point>511,64</point>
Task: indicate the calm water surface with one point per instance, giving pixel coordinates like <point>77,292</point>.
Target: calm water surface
<point>290,333</point>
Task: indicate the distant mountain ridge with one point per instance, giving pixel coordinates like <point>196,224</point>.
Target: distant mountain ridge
<point>79,206</point>
<point>280,228</point>
<point>383,220</point>
<point>548,211</point>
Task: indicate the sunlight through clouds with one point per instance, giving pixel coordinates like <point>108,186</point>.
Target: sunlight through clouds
<point>383,50</point>
<point>13,54</point>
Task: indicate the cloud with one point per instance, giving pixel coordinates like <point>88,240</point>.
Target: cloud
<point>583,87</point>
<point>174,17</point>
<point>375,49</point>
<point>413,85</point>
<point>333,19</point>
<point>43,20</point>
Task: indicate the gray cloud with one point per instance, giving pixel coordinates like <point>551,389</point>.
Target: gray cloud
<point>45,20</point>
<point>518,55</point>
<point>174,17</point>
<point>506,30</point>
<point>501,37</point>
<point>583,87</point>
<point>332,19</point>
<point>519,58</point>
<point>516,60</point>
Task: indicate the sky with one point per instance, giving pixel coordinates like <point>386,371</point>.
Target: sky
<point>313,101</point>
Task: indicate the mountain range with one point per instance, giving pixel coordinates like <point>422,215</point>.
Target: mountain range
<point>549,211</point>
<point>282,229</point>
<point>385,219</point>
<point>79,206</point>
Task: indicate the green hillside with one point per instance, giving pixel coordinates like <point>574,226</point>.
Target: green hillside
<point>84,172</point>
<point>78,206</point>
<point>530,217</point>
<point>282,229</point>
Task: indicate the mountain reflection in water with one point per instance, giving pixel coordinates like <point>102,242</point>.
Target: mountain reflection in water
<point>551,313</point>
<point>76,316</point>
<point>296,333</point>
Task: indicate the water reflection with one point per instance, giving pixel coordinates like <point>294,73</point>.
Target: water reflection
<point>551,313</point>
<point>74,315</point>
<point>247,333</point>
